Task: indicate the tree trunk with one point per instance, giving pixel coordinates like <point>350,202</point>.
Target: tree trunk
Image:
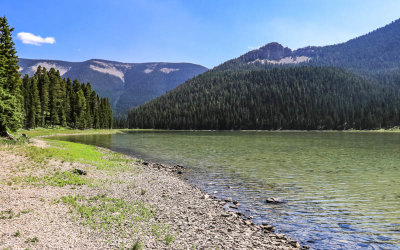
<point>4,133</point>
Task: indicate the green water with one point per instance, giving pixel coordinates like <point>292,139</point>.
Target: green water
<point>342,190</point>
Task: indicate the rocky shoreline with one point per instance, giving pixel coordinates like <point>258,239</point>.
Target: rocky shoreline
<point>176,214</point>
<point>232,217</point>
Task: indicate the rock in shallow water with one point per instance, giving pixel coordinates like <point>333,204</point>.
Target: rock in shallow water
<point>274,200</point>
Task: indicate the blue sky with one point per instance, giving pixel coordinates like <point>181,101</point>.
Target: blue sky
<point>198,31</point>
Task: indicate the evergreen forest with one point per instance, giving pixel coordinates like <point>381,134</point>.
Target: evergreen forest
<point>52,101</point>
<point>304,98</point>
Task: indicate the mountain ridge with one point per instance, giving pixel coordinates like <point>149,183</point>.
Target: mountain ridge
<point>126,84</point>
<point>351,85</point>
<point>374,52</point>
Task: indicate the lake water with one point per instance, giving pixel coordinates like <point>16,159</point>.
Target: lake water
<point>341,189</point>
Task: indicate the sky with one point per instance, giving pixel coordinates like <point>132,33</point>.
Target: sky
<point>197,31</point>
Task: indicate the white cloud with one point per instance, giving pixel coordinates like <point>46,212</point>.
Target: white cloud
<point>29,38</point>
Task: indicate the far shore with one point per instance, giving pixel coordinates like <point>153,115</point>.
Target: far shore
<point>56,194</point>
<point>65,131</point>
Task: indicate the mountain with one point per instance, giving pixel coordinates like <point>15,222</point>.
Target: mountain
<point>281,98</point>
<point>375,52</point>
<point>349,85</point>
<point>125,84</point>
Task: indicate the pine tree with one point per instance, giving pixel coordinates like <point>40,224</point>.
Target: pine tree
<point>44,84</point>
<point>35,104</point>
<point>10,83</point>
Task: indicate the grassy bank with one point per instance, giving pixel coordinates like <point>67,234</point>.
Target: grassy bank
<point>90,199</point>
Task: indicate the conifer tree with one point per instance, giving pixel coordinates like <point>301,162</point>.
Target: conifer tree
<point>44,83</point>
<point>10,82</point>
<point>35,104</point>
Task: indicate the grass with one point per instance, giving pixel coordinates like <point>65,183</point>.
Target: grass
<point>137,246</point>
<point>58,179</point>
<point>60,130</point>
<point>163,233</point>
<point>72,152</point>
<point>101,212</point>
<point>7,214</point>
<point>32,240</point>
<point>17,234</point>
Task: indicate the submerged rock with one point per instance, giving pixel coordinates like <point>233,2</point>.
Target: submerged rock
<point>274,200</point>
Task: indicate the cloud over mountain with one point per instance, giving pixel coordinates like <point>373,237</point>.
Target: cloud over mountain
<point>29,38</point>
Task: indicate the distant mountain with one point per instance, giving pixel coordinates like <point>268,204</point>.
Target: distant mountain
<point>375,52</point>
<point>126,84</point>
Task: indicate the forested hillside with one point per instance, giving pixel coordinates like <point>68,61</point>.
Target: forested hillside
<point>50,100</point>
<point>286,98</point>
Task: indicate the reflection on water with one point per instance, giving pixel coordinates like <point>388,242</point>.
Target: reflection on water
<point>342,190</point>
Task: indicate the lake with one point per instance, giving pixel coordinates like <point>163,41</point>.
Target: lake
<point>341,189</point>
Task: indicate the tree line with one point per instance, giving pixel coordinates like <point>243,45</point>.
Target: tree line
<point>52,101</point>
<point>45,99</point>
<point>282,98</point>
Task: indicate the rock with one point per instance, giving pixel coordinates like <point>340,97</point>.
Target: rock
<point>268,228</point>
<point>247,222</point>
<point>79,171</point>
<point>145,163</point>
<point>274,200</point>
<point>228,199</point>
<point>294,244</point>
<point>205,197</point>
<point>234,207</point>
<point>215,192</point>
<point>280,236</point>
<point>225,215</point>
<point>235,202</point>
<point>179,172</point>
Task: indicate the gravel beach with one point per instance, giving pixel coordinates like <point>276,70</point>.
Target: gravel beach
<point>136,204</point>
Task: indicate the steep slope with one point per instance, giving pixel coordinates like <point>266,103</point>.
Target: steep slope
<point>283,98</point>
<point>375,52</point>
<point>125,84</point>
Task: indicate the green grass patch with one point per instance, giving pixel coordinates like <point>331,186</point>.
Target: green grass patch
<point>32,240</point>
<point>101,212</point>
<point>17,234</point>
<point>163,233</point>
<point>6,214</point>
<point>61,130</point>
<point>75,152</point>
<point>137,246</point>
<point>58,179</point>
